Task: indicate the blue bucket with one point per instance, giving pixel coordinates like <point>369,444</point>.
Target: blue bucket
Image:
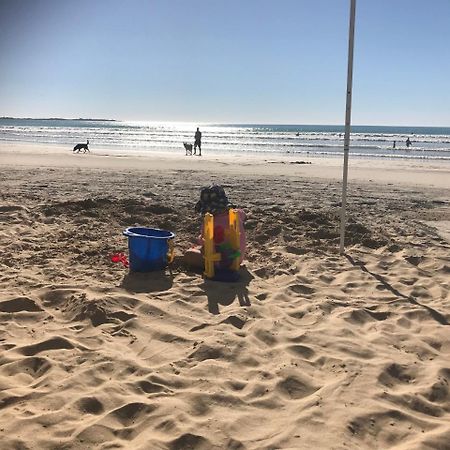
<point>149,248</point>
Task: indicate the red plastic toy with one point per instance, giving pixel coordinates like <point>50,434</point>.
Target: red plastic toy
<point>120,257</point>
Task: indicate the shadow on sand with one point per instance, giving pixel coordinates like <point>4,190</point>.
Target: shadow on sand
<point>138,282</point>
<point>224,293</point>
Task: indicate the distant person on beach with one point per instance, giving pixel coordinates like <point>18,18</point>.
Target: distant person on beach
<point>408,143</point>
<point>198,142</point>
<point>393,145</point>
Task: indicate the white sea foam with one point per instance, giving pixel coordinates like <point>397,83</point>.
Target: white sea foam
<point>430,143</point>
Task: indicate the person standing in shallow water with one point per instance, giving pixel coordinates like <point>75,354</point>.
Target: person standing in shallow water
<point>408,143</point>
<point>198,142</point>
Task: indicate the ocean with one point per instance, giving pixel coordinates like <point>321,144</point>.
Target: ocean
<point>324,140</point>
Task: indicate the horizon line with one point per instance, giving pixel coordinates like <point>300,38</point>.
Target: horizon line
<point>222,123</point>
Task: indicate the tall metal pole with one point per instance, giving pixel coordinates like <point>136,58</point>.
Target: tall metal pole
<point>348,117</point>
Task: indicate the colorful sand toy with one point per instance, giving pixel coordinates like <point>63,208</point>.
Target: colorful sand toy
<point>222,265</point>
<point>120,257</point>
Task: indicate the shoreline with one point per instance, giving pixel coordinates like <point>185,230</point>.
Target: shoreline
<point>424,173</point>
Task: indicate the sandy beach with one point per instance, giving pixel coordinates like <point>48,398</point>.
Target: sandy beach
<point>309,350</point>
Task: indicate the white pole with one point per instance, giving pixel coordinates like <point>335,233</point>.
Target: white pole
<point>348,116</point>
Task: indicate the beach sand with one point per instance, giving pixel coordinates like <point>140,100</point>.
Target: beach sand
<point>310,350</point>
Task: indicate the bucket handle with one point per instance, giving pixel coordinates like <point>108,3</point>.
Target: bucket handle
<point>171,252</point>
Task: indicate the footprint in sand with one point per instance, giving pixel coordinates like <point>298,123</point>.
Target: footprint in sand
<point>133,412</point>
<point>266,336</point>
<point>55,343</point>
<point>295,387</point>
<point>297,314</point>
<point>34,366</point>
<point>205,352</point>
<point>296,250</point>
<point>394,374</point>
<point>302,351</point>
<point>302,289</point>
<point>439,392</point>
<point>148,387</point>
<point>368,425</point>
<point>90,405</point>
<point>363,316</point>
<point>190,441</point>
<point>19,304</point>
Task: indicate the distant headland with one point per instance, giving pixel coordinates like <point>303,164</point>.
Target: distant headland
<point>57,118</point>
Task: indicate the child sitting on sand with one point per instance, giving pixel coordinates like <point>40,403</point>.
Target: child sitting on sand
<point>213,200</point>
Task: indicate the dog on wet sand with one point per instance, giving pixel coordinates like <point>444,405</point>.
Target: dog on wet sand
<point>79,147</point>
<point>188,148</point>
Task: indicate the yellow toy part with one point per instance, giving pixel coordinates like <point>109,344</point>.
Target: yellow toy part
<point>210,255</point>
<point>171,252</point>
<point>232,235</point>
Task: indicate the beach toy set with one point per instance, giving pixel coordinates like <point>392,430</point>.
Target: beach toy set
<point>223,240</point>
<point>222,248</point>
<point>152,249</point>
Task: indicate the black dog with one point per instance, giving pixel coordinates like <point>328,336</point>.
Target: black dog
<point>80,147</point>
<point>188,148</point>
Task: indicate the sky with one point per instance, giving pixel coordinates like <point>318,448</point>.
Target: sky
<point>226,61</point>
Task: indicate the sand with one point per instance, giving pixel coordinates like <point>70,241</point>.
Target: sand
<point>310,350</point>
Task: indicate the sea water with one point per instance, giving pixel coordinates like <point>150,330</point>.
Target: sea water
<point>325,140</point>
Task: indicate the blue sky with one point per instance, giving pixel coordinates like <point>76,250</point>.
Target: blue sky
<point>233,61</point>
